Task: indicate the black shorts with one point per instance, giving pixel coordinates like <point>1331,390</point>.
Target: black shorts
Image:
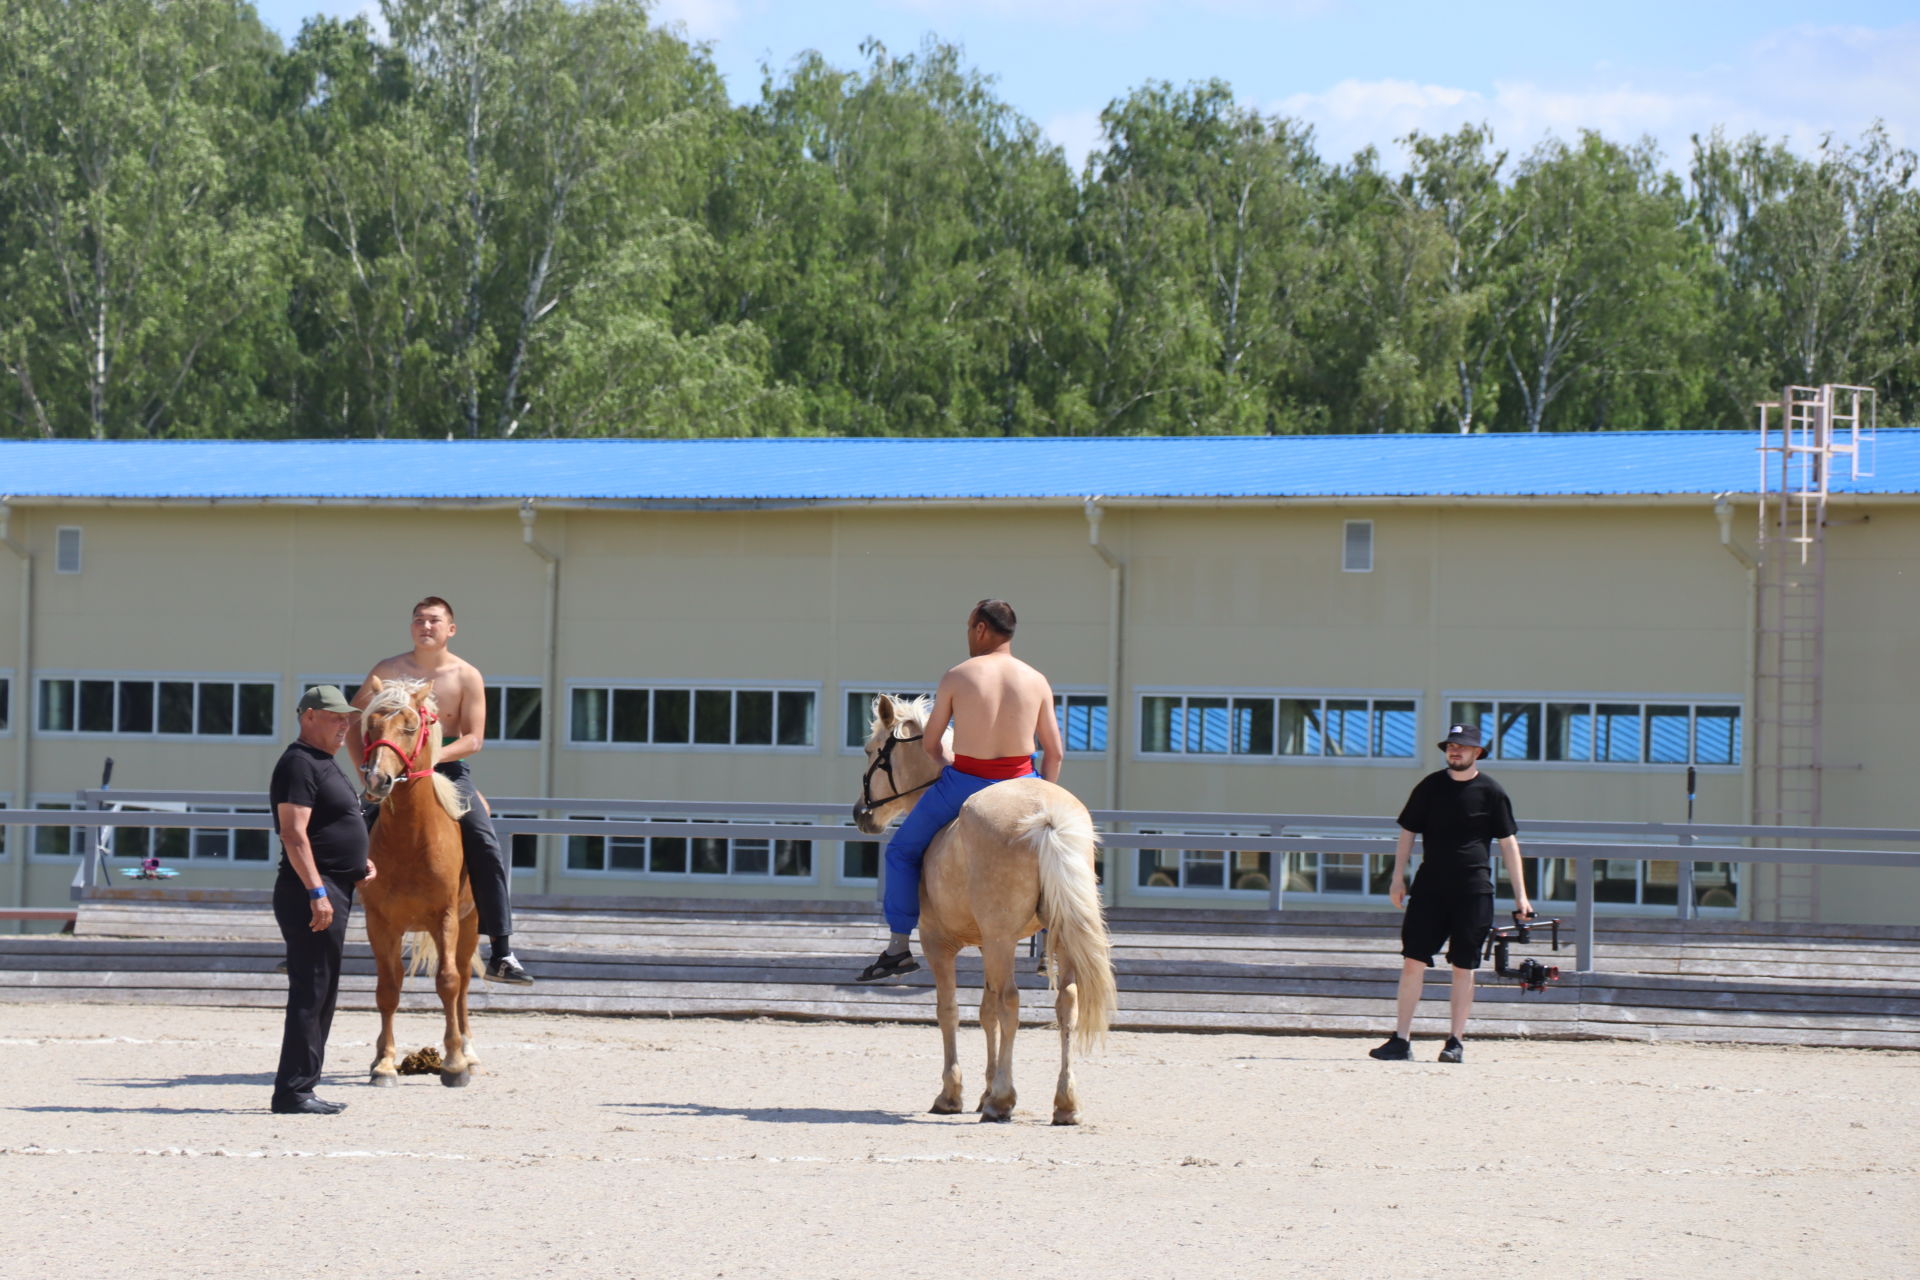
<point>1460,923</point>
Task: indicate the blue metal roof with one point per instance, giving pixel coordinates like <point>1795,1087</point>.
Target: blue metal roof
<point>827,470</point>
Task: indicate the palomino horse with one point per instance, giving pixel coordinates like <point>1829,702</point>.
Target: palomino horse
<point>1018,858</point>
<point>422,881</point>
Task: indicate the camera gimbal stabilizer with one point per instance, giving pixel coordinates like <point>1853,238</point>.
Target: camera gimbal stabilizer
<point>1530,973</point>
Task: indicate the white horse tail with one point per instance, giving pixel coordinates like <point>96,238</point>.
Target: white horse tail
<point>1070,908</point>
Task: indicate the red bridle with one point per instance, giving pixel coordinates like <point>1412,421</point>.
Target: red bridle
<point>427,720</point>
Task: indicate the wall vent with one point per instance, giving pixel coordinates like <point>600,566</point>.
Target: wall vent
<point>66,554</point>
<point>1356,555</point>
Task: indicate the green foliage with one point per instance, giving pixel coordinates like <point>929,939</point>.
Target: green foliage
<point>544,218</point>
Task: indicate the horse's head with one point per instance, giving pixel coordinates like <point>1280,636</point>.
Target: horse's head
<point>898,768</point>
<point>400,729</point>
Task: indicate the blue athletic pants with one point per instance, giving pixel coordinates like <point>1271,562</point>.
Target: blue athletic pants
<point>939,806</point>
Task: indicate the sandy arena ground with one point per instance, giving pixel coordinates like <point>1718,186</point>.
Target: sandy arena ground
<point>136,1142</point>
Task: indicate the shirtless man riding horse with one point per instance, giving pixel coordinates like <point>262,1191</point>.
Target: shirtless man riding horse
<point>461,693</point>
<point>998,707</point>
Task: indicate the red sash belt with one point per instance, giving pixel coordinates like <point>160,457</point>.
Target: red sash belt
<point>999,770</point>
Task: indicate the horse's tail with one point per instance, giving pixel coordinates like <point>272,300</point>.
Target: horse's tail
<point>1063,836</point>
<point>424,955</point>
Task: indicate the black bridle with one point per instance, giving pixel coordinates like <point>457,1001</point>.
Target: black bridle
<point>882,762</point>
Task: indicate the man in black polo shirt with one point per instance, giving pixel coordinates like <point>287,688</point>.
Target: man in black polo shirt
<point>1457,813</point>
<point>323,843</point>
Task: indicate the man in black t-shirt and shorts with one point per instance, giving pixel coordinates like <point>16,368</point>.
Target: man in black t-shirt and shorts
<point>1457,812</point>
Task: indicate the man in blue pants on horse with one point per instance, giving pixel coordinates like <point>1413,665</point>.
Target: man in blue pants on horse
<point>998,707</point>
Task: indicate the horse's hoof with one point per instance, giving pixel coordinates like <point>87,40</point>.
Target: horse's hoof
<point>996,1117</point>
<point>384,1079</point>
<point>941,1107</point>
<point>456,1079</point>
<point>1066,1117</point>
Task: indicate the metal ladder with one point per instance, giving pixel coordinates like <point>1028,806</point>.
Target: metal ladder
<point>1808,438</point>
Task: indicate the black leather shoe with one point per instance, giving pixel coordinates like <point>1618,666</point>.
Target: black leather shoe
<point>307,1106</point>
<point>507,969</point>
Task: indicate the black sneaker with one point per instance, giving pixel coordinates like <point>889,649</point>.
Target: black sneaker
<point>307,1106</point>
<point>507,969</point>
<point>1396,1049</point>
<point>891,964</point>
<point>1454,1052</point>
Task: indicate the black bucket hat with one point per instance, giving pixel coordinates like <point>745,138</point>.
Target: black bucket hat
<point>1466,735</point>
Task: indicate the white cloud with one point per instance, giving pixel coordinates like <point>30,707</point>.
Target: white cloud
<point>701,19</point>
<point>1122,15</point>
<point>1797,85</point>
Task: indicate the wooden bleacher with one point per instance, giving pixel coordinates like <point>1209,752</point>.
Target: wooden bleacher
<point>1291,971</point>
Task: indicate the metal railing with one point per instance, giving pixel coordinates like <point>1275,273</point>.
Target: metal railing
<point>1541,839</point>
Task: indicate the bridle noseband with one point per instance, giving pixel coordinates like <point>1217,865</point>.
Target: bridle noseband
<point>428,719</point>
<point>882,762</point>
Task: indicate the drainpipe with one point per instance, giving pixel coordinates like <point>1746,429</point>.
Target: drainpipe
<point>549,678</point>
<point>1723,512</point>
<point>22,706</point>
<point>1116,695</point>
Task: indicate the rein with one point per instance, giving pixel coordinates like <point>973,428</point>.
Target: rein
<point>409,758</point>
<point>882,762</point>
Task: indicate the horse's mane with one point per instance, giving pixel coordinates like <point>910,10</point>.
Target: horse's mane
<point>397,695</point>
<point>909,714</point>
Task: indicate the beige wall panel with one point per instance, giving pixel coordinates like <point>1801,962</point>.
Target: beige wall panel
<point>1522,598</point>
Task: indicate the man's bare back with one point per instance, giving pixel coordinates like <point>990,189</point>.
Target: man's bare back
<point>996,702</point>
<point>999,706</point>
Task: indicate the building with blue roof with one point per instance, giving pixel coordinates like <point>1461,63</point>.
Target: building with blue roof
<point>1231,624</point>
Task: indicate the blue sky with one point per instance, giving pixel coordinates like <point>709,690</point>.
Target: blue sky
<point>1367,73</point>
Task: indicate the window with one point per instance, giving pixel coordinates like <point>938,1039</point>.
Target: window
<point>121,706</point>
<point>696,857</point>
<point>1655,882</point>
<point>1083,721</point>
<point>858,719</point>
<point>1279,726</point>
<point>1211,870</point>
<point>1356,547</point>
<point>523,848</point>
<point>513,713</point>
<point>1082,717</point>
<point>175,844</point>
<point>57,842</point>
<point>1363,874</point>
<point>6,701</point>
<point>66,550</point>
<point>1563,729</point>
<point>772,719</point>
<point>860,862</point>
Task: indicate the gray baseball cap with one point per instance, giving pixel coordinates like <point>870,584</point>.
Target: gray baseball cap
<point>325,697</point>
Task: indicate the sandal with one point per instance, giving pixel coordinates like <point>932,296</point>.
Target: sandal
<point>889,965</point>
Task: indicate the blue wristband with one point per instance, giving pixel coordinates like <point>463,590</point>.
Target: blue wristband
<point>318,892</point>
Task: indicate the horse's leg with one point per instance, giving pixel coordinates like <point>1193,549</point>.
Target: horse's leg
<point>990,1029</point>
<point>447,980</point>
<point>997,955</point>
<point>1066,1106</point>
<point>941,958</point>
<point>469,945</point>
<point>385,941</point>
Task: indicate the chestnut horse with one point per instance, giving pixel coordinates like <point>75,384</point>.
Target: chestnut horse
<point>1018,858</point>
<point>422,881</point>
